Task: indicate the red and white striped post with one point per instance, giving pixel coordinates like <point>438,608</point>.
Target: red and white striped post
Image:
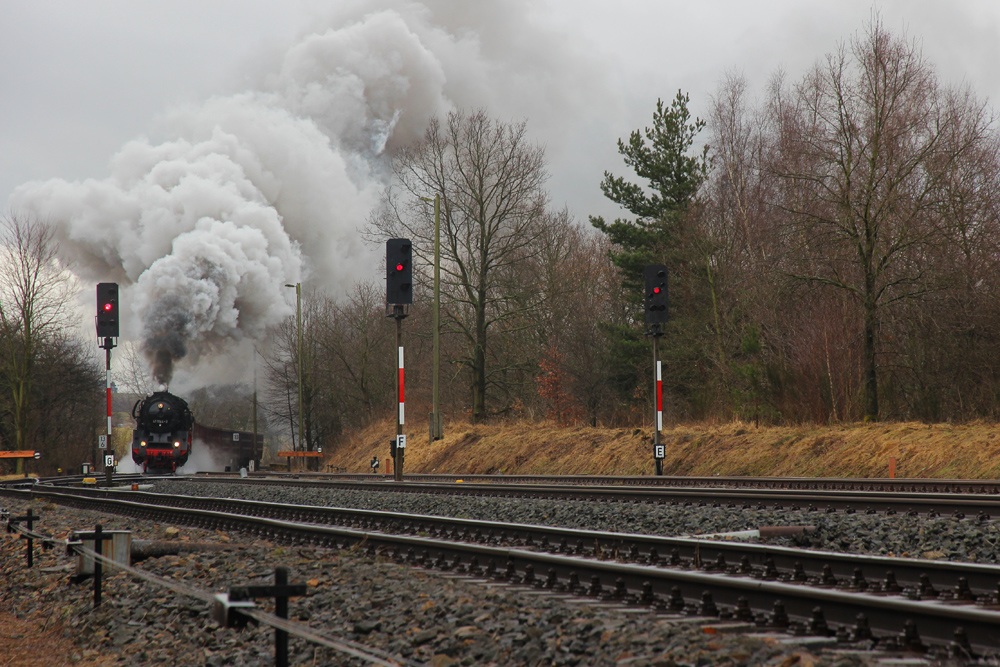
<point>659,450</point>
<point>108,345</point>
<point>659,395</point>
<point>401,400</point>
<point>108,383</point>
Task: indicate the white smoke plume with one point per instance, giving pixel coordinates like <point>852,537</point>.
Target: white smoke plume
<point>269,186</point>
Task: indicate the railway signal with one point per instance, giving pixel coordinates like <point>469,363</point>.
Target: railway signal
<point>398,295</point>
<point>655,302</point>
<point>655,278</point>
<point>107,310</point>
<point>107,332</point>
<point>398,272</point>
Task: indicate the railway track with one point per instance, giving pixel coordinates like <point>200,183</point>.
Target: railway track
<point>971,486</point>
<point>753,493</point>
<point>903,603</point>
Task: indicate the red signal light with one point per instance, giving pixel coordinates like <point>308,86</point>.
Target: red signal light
<point>655,279</point>
<point>107,310</point>
<point>398,267</point>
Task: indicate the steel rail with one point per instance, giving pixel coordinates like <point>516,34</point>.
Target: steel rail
<point>915,485</point>
<point>886,613</point>
<point>924,578</point>
<point>896,502</point>
<point>982,487</point>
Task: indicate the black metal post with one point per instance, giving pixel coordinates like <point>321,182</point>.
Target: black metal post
<point>99,539</point>
<point>281,591</point>
<point>30,518</point>
<point>281,611</point>
<point>31,543</point>
<point>98,569</point>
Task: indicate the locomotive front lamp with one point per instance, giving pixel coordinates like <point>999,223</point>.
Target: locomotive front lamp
<point>176,444</point>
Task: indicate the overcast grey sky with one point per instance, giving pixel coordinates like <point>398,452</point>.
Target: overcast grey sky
<point>248,136</point>
<point>79,79</point>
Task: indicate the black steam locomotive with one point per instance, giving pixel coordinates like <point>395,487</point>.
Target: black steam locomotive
<point>163,433</point>
<point>166,432</point>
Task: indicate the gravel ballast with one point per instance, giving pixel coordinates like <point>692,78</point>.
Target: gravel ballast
<point>421,616</point>
<point>967,539</point>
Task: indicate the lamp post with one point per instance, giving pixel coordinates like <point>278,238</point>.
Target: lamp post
<point>437,430</point>
<point>298,352</point>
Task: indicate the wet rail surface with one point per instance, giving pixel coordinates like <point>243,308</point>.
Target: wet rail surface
<point>906,603</point>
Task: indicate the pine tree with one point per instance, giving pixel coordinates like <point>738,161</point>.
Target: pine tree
<point>660,156</point>
<point>663,231</point>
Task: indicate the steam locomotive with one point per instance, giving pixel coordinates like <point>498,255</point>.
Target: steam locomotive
<point>166,433</point>
<point>163,433</point>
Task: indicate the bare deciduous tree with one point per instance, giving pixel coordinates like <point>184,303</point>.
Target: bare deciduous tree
<point>132,372</point>
<point>583,294</point>
<point>355,340</point>
<point>281,380</point>
<point>860,150</point>
<point>489,178</point>
<point>34,290</point>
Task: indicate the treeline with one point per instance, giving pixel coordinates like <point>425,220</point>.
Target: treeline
<point>850,225</point>
<point>831,248</point>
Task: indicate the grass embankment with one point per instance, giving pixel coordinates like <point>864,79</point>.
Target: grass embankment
<point>970,451</point>
<point>11,478</point>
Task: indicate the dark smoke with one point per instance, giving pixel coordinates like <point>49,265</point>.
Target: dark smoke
<point>165,338</point>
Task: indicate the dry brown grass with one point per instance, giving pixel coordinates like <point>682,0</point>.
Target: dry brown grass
<point>10,478</point>
<point>848,450</point>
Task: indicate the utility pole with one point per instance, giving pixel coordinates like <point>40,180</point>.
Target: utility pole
<point>437,429</point>
<point>298,354</point>
<point>253,450</point>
